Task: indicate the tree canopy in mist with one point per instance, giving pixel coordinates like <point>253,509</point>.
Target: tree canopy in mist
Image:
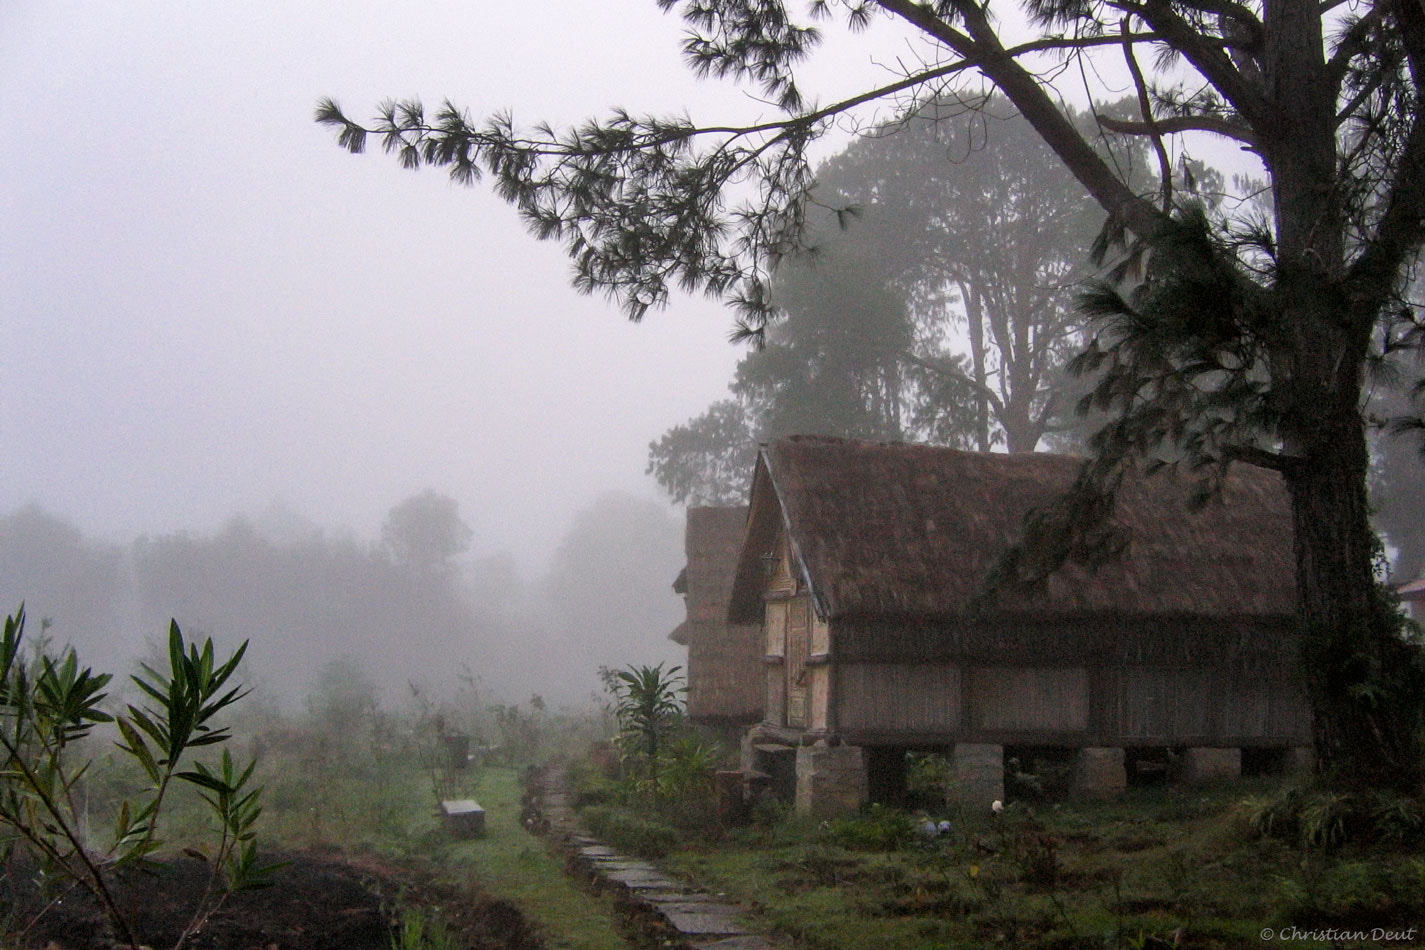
<point>319,607</point>
<point>939,308</point>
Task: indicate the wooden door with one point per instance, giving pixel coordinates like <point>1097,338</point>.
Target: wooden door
<point>798,648</point>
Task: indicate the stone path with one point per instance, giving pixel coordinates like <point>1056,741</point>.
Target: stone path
<point>680,917</point>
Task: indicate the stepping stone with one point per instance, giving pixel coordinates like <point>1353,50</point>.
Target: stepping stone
<point>697,907</point>
<point>661,897</point>
<point>646,879</point>
<point>597,851</point>
<point>695,924</point>
<point>745,942</point>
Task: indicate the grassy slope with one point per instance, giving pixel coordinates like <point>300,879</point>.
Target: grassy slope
<point>1127,873</point>
<point>512,864</point>
<point>363,805</point>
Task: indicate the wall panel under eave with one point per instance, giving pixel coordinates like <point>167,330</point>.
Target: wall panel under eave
<point>898,697</point>
<point>1029,699</point>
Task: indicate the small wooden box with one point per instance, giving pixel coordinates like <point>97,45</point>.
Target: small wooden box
<point>464,818</point>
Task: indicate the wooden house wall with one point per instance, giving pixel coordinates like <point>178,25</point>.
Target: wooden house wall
<point>722,661</point>
<point>1046,699</point>
<point>797,671</point>
<point>898,697</point>
<point>1072,706</point>
<point>774,673</point>
<point>820,697</point>
<point>1148,705</point>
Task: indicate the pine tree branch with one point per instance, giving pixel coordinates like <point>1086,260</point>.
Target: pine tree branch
<point>1207,57</point>
<point>980,46</point>
<point>1251,455</point>
<point>1172,125</point>
<point>1370,280</point>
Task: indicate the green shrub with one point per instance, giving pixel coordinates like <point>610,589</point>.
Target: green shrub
<point>49,704</point>
<point>1324,820</point>
<point>878,828</point>
<point>1356,892</point>
<point>626,831</point>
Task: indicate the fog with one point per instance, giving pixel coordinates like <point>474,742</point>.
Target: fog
<point>230,348</point>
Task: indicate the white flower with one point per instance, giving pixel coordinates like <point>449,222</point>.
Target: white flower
<point>997,807</point>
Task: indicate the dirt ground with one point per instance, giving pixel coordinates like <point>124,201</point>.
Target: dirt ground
<point>316,902</point>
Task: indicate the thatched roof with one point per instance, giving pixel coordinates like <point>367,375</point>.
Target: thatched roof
<point>712,542</point>
<point>724,662</point>
<point>1413,591</point>
<point>908,530</point>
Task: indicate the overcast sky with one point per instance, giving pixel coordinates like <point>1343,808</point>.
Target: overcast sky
<point>206,305</point>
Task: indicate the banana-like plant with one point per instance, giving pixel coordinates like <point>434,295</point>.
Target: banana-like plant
<point>648,701</point>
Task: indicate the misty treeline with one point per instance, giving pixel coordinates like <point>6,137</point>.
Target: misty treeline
<point>322,607</point>
<point>937,300</point>
<point>934,300</point>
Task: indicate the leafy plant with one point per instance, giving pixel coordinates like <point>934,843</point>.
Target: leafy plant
<point>627,831</point>
<point>878,828</point>
<point>1318,819</point>
<point>48,704</point>
<point>419,930</point>
<point>648,703</point>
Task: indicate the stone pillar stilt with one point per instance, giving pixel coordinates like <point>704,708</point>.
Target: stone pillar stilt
<point>1299,760</point>
<point>1201,765</point>
<point>1099,772</point>
<point>831,780</point>
<point>978,771</point>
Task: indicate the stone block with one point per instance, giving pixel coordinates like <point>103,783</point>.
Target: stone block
<point>463,818</point>
<point>977,769</point>
<point>1099,772</point>
<point>705,924</point>
<point>831,780</point>
<point>1199,766</point>
<point>747,759</point>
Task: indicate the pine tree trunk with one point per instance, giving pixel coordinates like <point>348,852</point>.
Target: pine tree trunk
<point>1362,679</point>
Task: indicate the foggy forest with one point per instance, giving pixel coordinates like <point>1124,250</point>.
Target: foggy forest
<point>513,477</point>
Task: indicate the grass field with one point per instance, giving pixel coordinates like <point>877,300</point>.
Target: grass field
<point>380,808</point>
<point>1156,868</point>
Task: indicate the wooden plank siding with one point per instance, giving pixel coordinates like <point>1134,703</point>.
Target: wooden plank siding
<point>1029,698</point>
<point>820,698</point>
<point>905,703</point>
<point>1174,705</point>
<point>898,697</point>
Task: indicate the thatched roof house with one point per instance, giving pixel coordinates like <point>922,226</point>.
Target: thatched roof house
<point>724,660</point>
<point>863,561</point>
<point>1412,597</point>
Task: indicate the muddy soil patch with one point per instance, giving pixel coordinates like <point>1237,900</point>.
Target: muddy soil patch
<point>316,902</point>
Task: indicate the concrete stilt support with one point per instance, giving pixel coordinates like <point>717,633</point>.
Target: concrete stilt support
<point>831,780</point>
<point>1299,760</point>
<point>978,771</point>
<point>1099,773</point>
<point>1200,766</point>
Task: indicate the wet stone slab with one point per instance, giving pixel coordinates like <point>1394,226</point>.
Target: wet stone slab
<point>696,924</point>
<point>661,897</point>
<point>741,942</point>
<point>691,905</point>
<point>643,879</point>
<point>617,862</point>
